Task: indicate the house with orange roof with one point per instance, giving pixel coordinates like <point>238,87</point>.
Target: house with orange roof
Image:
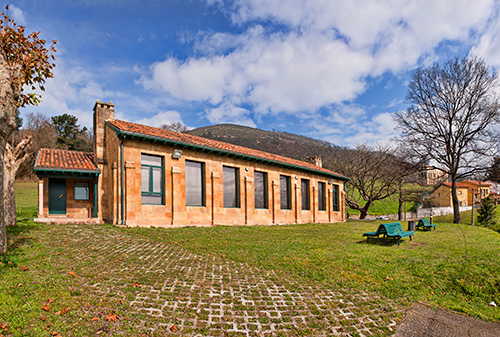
<point>477,189</point>
<point>144,176</point>
<point>441,196</point>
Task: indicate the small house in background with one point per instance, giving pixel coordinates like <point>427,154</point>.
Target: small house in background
<point>441,196</point>
<point>481,191</point>
<point>144,176</point>
<point>431,175</point>
<point>494,190</point>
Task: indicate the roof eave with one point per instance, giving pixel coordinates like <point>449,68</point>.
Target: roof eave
<point>120,132</point>
<point>51,169</point>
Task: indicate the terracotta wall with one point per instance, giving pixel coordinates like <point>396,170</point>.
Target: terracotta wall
<point>74,208</point>
<point>175,213</point>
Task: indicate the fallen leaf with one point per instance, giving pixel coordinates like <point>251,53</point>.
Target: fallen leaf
<point>94,319</point>
<point>136,285</point>
<point>62,311</point>
<point>19,285</point>
<point>72,274</point>
<point>112,317</point>
<point>23,268</point>
<point>388,278</point>
<point>98,332</point>
<point>43,318</point>
<point>55,334</point>
<point>50,300</point>
<point>58,253</point>
<point>173,328</point>
<point>3,326</point>
<point>46,307</point>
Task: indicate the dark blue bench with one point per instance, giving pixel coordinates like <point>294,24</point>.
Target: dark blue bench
<point>389,230</point>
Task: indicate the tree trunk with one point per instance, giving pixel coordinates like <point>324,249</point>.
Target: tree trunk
<point>10,197</point>
<point>3,228</point>
<point>400,205</point>
<point>364,210</point>
<point>454,198</point>
<point>13,158</point>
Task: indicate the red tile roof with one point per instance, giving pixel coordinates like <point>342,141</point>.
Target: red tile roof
<point>65,160</point>
<point>459,185</point>
<point>476,183</point>
<point>187,139</point>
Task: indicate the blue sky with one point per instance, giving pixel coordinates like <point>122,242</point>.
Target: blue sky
<point>332,70</point>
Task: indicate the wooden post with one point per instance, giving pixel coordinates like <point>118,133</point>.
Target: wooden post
<point>473,203</point>
<point>40,198</point>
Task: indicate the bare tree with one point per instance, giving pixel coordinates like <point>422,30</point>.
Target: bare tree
<point>451,118</point>
<point>375,174</point>
<point>44,135</point>
<point>175,126</point>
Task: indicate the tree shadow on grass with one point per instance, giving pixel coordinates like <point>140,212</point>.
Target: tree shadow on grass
<point>18,236</point>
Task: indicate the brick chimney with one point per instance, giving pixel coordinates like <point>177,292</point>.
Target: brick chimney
<point>316,160</point>
<point>102,112</point>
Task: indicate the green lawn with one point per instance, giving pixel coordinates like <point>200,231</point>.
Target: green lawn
<point>456,266</point>
<point>386,206</point>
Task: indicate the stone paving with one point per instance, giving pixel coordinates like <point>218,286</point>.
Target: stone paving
<point>172,291</point>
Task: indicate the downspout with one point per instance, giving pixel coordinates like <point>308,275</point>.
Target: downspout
<point>95,195</point>
<point>121,183</point>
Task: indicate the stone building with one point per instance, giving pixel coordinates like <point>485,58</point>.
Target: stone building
<point>144,176</point>
<point>431,175</point>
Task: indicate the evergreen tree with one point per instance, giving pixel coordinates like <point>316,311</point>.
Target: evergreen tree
<point>69,133</point>
<point>486,213</point>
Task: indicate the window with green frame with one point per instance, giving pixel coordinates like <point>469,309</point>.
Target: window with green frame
<point>321,196</point>
<point>335,198</point>
<point>152,180</point>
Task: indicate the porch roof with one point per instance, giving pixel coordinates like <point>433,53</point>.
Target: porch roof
<point>65,162</point>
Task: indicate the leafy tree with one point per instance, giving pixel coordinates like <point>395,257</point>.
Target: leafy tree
<point>25,64</point>
<point>451,119</point>
<point>486,213</point>
<point>69,134</point>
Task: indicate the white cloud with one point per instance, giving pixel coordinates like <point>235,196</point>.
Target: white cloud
<point>323,57</point>
<point>72,90</point>
<point>164,117</point>
<point>17,15</point>
<point>229,113</point>
<point>489,44</point>
<point>351,124</point>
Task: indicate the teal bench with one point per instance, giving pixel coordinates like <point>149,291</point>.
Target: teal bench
<point>389,230</point>
<point>425,224</point>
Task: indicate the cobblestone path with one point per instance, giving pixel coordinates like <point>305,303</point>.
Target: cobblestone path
<point>172,291</point>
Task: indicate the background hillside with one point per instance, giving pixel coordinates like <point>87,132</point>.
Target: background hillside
<point>293,146</point>
<point>278,142</point>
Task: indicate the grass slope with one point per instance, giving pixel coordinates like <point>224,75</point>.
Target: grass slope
<point>456,266</point>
